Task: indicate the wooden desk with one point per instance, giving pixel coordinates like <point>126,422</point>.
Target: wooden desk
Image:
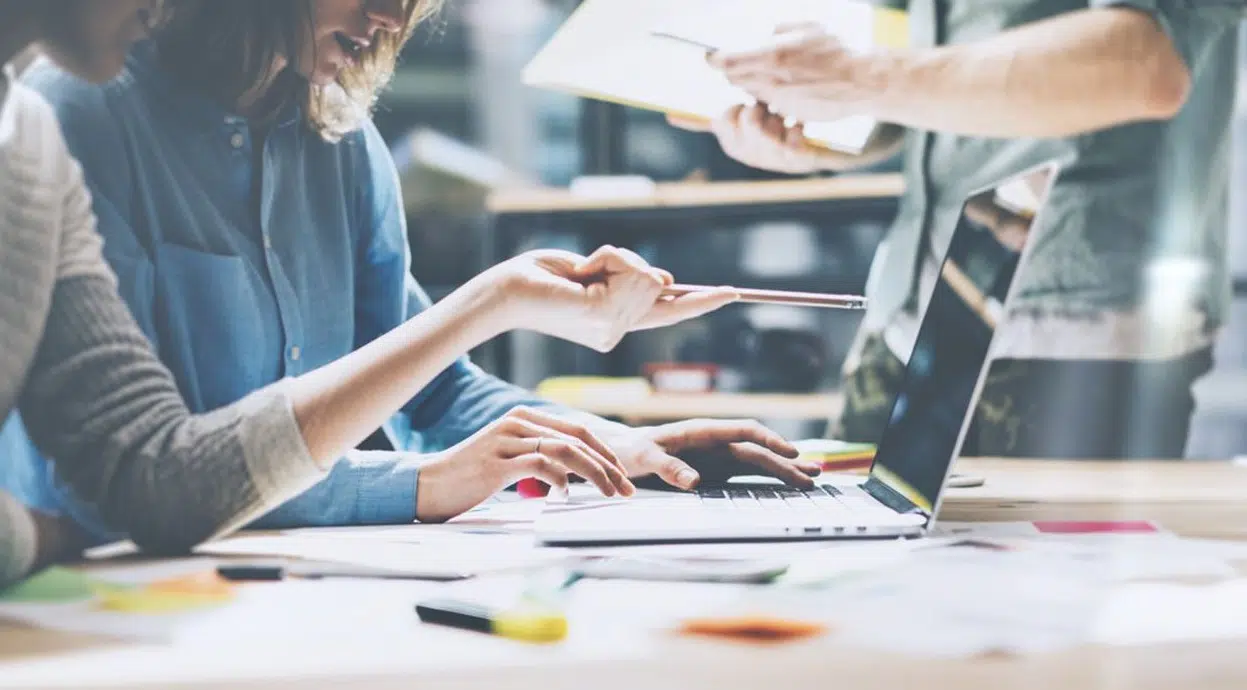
<point>1195,499</point>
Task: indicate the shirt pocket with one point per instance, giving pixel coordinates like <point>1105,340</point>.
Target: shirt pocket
<point>217,325</point>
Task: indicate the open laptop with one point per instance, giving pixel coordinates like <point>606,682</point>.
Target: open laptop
<point>928,425</point>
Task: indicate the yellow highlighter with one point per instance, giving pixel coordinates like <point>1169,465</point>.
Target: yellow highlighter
<point>525,624</point>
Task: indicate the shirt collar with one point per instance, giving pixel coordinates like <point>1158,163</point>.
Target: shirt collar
<point>196,107</point>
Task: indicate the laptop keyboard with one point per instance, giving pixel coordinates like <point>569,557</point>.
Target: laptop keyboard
<point>824,497</point>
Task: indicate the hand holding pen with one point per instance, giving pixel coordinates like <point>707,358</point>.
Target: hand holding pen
<point>801,299</point>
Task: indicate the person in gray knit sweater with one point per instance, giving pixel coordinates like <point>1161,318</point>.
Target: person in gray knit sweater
<point>95,397</point>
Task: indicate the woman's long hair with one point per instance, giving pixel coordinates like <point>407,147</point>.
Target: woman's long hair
<point>230,47</point>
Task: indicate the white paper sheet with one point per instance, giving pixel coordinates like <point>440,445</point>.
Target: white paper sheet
<point>329,629</point>
<point>622,63</point>
<point>438,556</point>
<point>1155,613</point>
<point>984,529</point>
<point>1132,557</point>
<point>957,602</point>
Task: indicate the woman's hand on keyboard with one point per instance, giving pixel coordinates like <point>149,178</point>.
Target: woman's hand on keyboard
<point>684,454</point>
<point>523,443</point>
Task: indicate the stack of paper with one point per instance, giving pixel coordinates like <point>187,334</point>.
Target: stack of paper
<point>652,53</point>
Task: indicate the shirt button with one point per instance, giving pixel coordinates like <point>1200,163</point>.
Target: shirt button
<point>268,242</point>
<point>295,352</point>
<point>237,140</point>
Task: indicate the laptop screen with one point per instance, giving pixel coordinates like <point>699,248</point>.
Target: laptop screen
<point>951,349</point>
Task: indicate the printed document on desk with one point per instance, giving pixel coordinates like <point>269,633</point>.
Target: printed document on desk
<point>651,54</point>
<point>1157,613</point>
<point>441,556</point>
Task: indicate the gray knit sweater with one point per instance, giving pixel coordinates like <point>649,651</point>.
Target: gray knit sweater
<point>92,393</point>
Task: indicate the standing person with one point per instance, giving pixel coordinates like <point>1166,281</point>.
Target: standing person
<point>1120,304</point>
<point>252,214</point>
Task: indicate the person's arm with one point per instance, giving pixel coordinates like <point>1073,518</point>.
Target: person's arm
<point>1113,63</point>
<point>461,400</point>
<point>100,402</point>
<point>363,488</point>
<point>1062,76</point>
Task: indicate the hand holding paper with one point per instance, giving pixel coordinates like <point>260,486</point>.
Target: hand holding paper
<point>804,73</point>
<point>761,139</point>
<point>652,53</point>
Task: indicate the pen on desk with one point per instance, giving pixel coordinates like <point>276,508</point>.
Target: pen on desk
<point>525,625</point>
<point>804,299</point>
<point>275,573</point>
<point>252,573</point>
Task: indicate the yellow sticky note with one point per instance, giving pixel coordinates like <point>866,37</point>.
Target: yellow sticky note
<point>174,595</point>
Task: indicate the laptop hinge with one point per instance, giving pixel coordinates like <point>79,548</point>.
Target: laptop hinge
<point>891,497</point>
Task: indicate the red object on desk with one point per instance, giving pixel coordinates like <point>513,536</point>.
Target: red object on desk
<point>1096,527</point>
<point>532,487</point>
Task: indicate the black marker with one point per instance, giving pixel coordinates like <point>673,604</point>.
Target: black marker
<point>518,624</point>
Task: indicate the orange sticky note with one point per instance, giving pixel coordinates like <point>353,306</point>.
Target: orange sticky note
<point>758,629</point>
<point>206,583</point>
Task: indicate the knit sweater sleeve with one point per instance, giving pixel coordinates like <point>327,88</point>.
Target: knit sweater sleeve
<point>17,540</point>
<point>100,402</point>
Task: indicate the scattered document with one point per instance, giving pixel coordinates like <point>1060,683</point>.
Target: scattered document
<point>1126,551</point>
<point>338,631</point>
<point>143,602</point>
<point>966,601</point>
<point>510,515</point>
<point>984,530</point>
<point>1131,558</point>
<point>1045,527</point>
<point>970,589</point>
<point>1151,614</point>
<point>835,562</point>
<point>452,558</point>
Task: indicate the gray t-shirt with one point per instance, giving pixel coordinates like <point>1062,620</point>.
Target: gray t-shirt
<point>1131,204</point>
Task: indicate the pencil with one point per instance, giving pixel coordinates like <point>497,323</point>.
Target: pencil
<point>804,299</point>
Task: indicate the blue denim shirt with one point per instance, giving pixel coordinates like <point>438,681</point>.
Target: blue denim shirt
<point>237,293</point>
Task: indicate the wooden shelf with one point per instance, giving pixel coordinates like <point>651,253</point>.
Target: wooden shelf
<point>675,406</point>
<point>699,194</point>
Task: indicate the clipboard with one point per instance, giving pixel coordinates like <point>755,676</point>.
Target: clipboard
<point>651,54</point>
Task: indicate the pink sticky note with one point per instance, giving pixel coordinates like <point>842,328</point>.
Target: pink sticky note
<point>1096,527</point>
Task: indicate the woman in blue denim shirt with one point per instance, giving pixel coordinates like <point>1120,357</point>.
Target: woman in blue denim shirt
<point>252,214</point>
